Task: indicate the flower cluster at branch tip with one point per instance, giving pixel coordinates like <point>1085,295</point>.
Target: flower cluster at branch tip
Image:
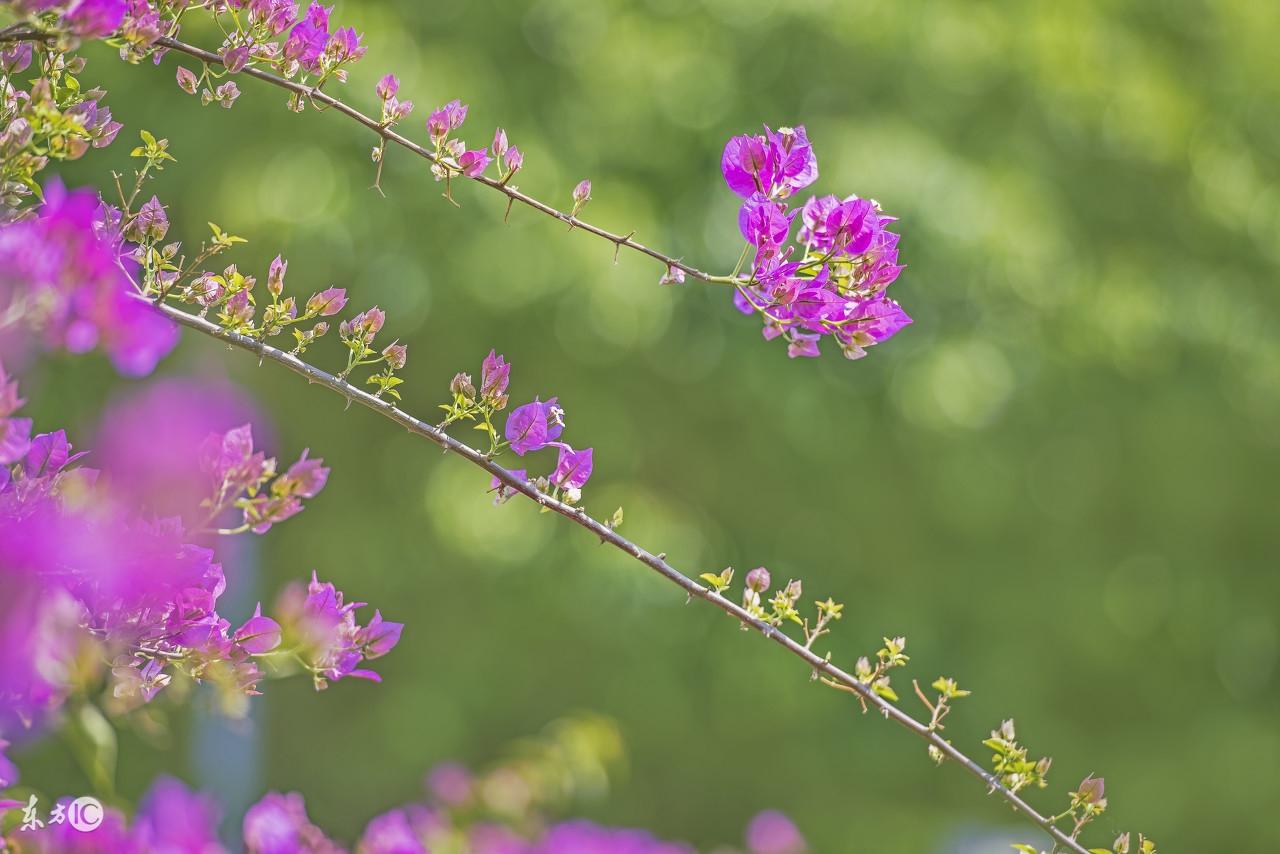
<point>91,584</point>
<point>849,257</point>
<point>278,35</point>
<point>451,157</point>
<point>531,427</point>
<point>323,633</point>
<point>70,288</point>
<point>246,480</point>
<point>48,116</point>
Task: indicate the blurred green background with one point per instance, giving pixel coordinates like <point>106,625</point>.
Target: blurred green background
<point>1059,484</point>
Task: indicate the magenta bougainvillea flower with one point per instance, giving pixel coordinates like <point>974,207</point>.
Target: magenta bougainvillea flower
<point>95,18</point>
<point>173,818</point>
<point>278,824</point>
<point>15,433</point>
<point>573,468</point>
<point>448,118</point>
<point>85,570</point>
<point>323,627</point>
<point>774,165</point>
<point>474,162</point>
<point>847,256</point>
<point>771,832</point>
<point>8,771</point>
<point>533,426</point>
<point>77,294</point>
<point>495,375</point>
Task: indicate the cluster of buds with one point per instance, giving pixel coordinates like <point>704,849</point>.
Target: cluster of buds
<point>452,157</point>
<point>273,33</point>
<point>393,109</point>
<point>781,606</point>
<point>480,406</point>
<point>531,427</point>
<point>233,295</point>
<point>357,334</point>
<point>1011,763</point>
<point>53,118</point>
<point>876,677</point>
<point>247,480</point>
<point>1087,802</point>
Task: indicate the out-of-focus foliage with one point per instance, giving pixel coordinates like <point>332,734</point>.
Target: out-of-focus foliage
<point>1059,483</point>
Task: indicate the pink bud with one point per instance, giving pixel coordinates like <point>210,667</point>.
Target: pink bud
<point>328,302</point>
<point>275,276</point>
<point>187,81</point>
<point>515,160</point>
<point>396,355</point>
<point>234,58</point>
<point>758,579</point>
<point>387,87</point>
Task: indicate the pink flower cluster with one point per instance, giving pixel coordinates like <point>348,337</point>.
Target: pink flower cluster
<point>87,576</point>
<point>171,817</point>
<point>70,286</point>
<point>531,427</point>
<point>278,824</point>
<point>452,155</point>
<point>849,257</point>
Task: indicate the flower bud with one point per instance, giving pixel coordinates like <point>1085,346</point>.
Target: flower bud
<point>234,58</point>
<point>758,580</point>
<point>515,160</point>
<point>227,93</point>
<point>371,321</point>
<point>387,87</point>
<point>582,192</point>
<point>462,387</point>
<point>275,276</point>
<point>792,590</point>
<point>15,57</point>
<point>1092,790</point>
<point>495,374</point>
<point>396,354</point>
<point>328,302</point>
<point>397,110</point>
<point>149,223</point>
<point>500,145</point>
<point>673,276</point>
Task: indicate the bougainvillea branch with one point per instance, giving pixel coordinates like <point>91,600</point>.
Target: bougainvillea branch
<point>656,562</point>
<point>85,272</point>
<point>387,133</point>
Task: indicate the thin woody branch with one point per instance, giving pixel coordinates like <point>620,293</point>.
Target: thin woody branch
<point>382,130</point>
<point>829,672</point>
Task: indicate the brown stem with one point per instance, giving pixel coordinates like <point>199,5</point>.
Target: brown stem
<point>618,240</point>
<point>657,562</point>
